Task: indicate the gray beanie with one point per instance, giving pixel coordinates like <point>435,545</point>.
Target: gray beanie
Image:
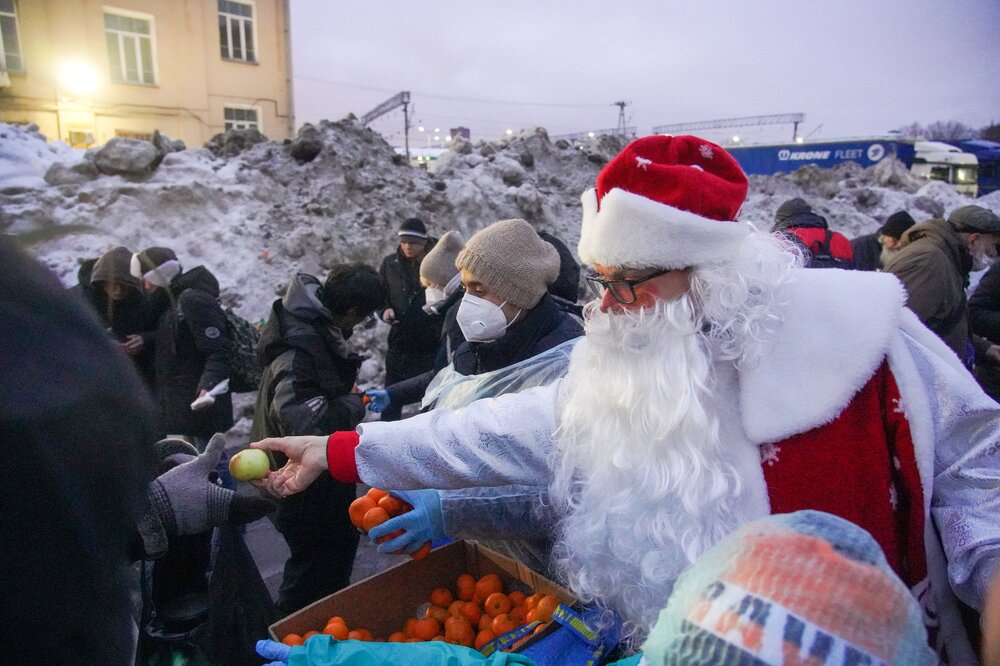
<point>438,267</point>
<point>512,260</point>
<point>975,218</point>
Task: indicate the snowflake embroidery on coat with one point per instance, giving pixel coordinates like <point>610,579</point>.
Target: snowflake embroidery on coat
<point>769,454</point>
<point>895,463</point>
<point>706,151</point>
<point>893,497</point>
<point>642,162</point>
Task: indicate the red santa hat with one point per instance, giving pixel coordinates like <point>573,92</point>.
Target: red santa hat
<point>665,202</point>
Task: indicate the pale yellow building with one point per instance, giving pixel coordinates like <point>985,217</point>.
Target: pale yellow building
<point>89,70</point>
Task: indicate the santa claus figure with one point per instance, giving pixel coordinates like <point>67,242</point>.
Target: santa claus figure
<point>718,382</point>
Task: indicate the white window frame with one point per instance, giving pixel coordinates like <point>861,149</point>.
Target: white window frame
<point>258,125</point>
<point>121,47</point>
<point>233,18</point>
<point>3,50</point>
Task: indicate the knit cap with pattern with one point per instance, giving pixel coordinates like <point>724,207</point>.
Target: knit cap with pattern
<point>438,266</point>
<point>512,260</point>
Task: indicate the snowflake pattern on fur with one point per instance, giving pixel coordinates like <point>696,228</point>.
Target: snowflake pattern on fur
<point>642,162</point>
<point>893,497</point>
<point>897,407</point>
<point>706,151</point>
<point>769,454</point>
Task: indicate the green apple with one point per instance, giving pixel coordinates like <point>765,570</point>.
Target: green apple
<point>249,464</point>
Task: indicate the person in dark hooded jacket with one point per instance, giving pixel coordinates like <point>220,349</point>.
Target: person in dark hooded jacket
<point>984,314</point>
<point>192,345</point>
<point>307,388</point>
<point>122,304</point>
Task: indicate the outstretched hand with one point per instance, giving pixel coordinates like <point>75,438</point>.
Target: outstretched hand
<point>306,461</point>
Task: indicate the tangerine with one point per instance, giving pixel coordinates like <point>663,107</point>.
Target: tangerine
<point>483,637</point>
<point>437,612</point>
<point>397,637</point>
<point>466,586</point>
<point>517,597</point>
<point>487,585</point>
<point>421,553</point>
<point>408,627</point>
<point>292,639</point>
<point>392,505</point>
<point>359,508</point>
<point>455,608</point>
<point>309,634</point>
<point>425,629</point>
<point>531,601</point>
<point>519,614</point>
<point>546,605</point>
<point>360,635</point>
<point>502,624</point>
<point>497,603</point>
<point>374,516</point>
<point>376,494</point>
<point>441,596</point>
<point>540,627</point>
<point>460,632</point>
<point>471,612</point>
<point>338,630</point>
<point>485,622</point>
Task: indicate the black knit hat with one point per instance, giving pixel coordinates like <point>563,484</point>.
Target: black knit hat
<point>896,224</point>
<point>155,256</point>
<point>413,228</point>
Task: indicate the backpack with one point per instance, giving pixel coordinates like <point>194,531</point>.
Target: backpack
<point>244,370</point>
<point>820,254</point>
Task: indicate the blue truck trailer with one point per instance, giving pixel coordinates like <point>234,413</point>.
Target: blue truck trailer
<point>988,154</point>
<point>927,159</point>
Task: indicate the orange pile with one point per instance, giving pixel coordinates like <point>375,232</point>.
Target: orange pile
<point>476,613</point>
<point>377,506</point>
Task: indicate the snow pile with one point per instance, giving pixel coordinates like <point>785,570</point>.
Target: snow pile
<point>256,211</point>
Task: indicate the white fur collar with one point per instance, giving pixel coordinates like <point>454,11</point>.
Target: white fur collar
<point>836,332</point>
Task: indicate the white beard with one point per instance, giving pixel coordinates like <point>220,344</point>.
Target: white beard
<point>886,255</point>
<point>640,475</point>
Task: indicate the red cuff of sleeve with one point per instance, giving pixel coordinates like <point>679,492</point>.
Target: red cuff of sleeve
<point>340,456</point>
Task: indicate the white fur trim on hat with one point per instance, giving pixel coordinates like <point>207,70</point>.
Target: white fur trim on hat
<point>160,275</point>
<point>631,230</point>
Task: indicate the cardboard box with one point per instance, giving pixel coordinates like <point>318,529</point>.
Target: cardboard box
<point>383,602</point>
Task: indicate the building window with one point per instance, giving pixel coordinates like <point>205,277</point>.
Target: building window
<point>130,47</point>
<point>236,37</point>
<point>10,42</point>
<point>242,117</point>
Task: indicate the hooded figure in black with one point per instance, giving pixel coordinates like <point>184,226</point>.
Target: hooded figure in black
<point>308,388</point>
<point>126,310</point>
<point>192,346</point>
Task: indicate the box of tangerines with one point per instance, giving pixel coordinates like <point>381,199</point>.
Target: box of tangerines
<point>461,593</point>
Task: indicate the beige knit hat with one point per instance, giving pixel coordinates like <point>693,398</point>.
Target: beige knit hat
<point>512,260</point>
<point>438,267</point>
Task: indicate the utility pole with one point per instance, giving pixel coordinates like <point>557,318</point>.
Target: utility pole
<point>621,116</point>
<point>406,128</point>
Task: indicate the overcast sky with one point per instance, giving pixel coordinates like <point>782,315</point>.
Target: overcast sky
<point>854,67</point>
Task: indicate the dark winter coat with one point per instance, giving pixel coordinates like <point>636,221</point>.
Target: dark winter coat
<point>567,285</point>
<point>412,389</point>
<point>309,374</point>
<point>934,266</point>
<point>77,427</point>
<point>984,314</point>
<point>415,331</point>
<point>543,327</point>
<point>192,349</point>
<point>132,315</point>
<point>867,252</point>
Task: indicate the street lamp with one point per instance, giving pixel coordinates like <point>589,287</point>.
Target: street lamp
<point>736,139</point>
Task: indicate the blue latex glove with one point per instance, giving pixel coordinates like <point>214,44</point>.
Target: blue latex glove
<point>379,400</point>
<point>323,650</point>
<point>422,524</point>
<point>273,650</point>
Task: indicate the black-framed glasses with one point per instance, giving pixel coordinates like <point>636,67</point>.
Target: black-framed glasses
<point>622,290</point>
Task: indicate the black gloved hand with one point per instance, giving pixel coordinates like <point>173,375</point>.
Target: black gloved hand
<point>187,499</point>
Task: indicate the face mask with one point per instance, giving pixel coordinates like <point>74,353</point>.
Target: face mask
<point>480,320</point>
<point>981,260</point>
<point>433,295</point>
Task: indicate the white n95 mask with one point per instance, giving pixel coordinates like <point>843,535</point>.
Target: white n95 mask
<point>432,295</point>
<point>480,320</point>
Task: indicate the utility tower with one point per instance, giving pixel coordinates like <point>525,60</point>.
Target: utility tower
<point>621,117</point>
